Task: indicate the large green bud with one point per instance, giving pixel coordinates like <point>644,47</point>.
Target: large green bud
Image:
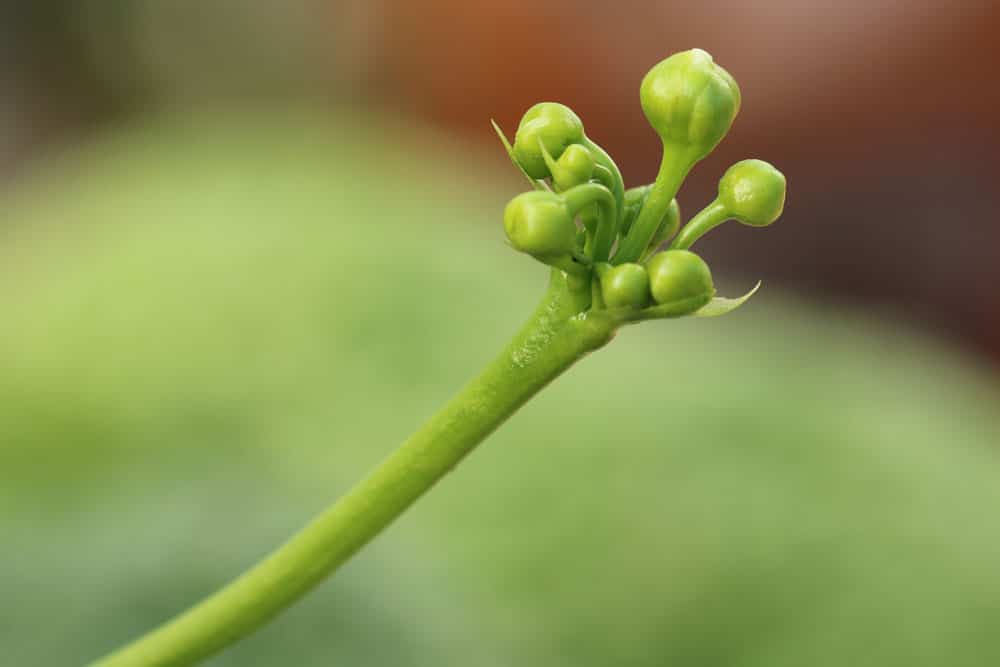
<point>690,101</point>
<point>550,124</point>
<point>539,223</point>
<point>680,275</point>
<point>753,192</point>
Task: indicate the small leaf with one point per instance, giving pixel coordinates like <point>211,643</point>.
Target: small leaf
<point>510,153</point>
<point>720,305</point>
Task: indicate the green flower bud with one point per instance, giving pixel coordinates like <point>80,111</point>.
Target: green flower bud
<point>690,101</point>
<point>547,124</point>
<point>680,275</point>
<point>753,192</point>
<point>539,223</point>
<point>624,286</point>
<point>574,167</point>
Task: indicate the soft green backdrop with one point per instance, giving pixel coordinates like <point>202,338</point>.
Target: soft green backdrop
<point>210,327</point>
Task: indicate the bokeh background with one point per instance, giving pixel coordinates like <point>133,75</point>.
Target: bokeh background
<point>246,247</point>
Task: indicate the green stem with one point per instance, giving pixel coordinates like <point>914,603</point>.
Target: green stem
<point>674,169</point>
<point>549,343</point>
<point>617,186</point>
<point>581,196</point>
<point>707,219</point>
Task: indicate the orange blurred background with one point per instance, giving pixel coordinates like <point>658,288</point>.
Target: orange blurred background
<point>881,113</point>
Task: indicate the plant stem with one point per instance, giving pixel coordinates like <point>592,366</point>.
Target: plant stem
<point>549,343</point>
<point>706,220</point>
<point>674,168</point>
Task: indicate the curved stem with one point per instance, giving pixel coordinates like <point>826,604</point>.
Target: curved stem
<point>634,198</point>
<point>706,219</point>
<point>617,186</point>
<point>580,196</point>
<point>674,169</point>
<point>551,341</point>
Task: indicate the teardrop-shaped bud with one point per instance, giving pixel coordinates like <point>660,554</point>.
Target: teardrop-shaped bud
<point>690,101</point>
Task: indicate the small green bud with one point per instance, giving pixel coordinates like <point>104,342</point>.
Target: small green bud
<point>574,166</point>
<point>678,275</point>
<point>690,101</point>
<point>550,124</point>
<point>539,223</point>
<point>625,286</point>
<point>753,192</point>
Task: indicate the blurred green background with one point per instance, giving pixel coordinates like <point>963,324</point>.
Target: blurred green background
<point>218,310</point>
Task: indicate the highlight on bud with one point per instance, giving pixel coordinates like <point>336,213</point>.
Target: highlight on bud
<point>624,286</point>
<point>690,101</point>
<point>679,276</point>
<point>753,192</point>
<point>550,125</point>
<point>539,224</point>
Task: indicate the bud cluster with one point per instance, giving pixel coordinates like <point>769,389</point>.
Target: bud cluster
<point>581,220</point>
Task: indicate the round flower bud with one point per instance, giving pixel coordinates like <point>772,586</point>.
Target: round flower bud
<point>553,125</point>
<point>574,166</point>
<point>539,224</point>
<point>678,275</point>
<point>625,286</point>
<point>690,101</point>
<point>753,192</point>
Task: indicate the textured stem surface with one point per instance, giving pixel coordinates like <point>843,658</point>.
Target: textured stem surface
<point>552,339</point>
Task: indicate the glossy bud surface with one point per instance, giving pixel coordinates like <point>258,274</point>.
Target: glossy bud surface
<point>625,286</point>
<point>753,192</point>
<point>676,275</point>
<point>574,166</point>
<point>538,223</point>
<point>555,125</point>
<point>690,101</point>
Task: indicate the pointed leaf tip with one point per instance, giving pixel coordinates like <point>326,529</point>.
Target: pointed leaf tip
<point>510,153</point>
<point>721,305</point>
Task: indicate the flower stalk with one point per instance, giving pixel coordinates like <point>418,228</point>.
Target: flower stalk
<point>600,242</point>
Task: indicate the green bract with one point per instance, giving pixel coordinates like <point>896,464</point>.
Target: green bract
<point>624,286</point>
<point>753,192</point>
<point>547,124</point>
<point>538,223</point>
<point>690,101</point>
<point>680,275</point>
